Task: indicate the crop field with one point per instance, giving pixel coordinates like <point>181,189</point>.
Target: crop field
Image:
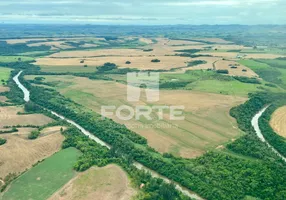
<point>97,182</point>
<point>200,130</point>
<point>20,153</point>
<point>22,41</point>
<point>278,121</point>
<point>9,117</point>
<point>214,40</point>
<point>46,178</point>
<point>166,62</point>
<point>55,44</point>
<point>238,71</point>
<point>164,49</point>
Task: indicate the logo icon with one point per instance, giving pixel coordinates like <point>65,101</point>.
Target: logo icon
<point>149,80</point>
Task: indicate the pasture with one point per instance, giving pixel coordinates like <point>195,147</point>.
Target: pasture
<point>4,73</point>
<point>44,179</point>
<point>8,59</point>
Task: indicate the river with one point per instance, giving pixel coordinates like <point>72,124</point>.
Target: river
<point>255,124</point>
<point>139,166</point>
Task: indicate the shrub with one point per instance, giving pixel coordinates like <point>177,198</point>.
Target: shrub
<point>155,60</point>
<point>222,71</point>
<point>147,50</point>
<point>128,62</point>
<point>2,141</point>
<point>247,80</point>
<point>106,67</point>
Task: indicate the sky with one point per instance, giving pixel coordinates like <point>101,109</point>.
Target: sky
<point>143,12</point>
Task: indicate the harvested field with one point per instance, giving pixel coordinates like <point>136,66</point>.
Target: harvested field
<point>3,98</point>
<point>207,122</point>
<point>56,44</point>
<point>215,40</point>
<point>278,121</point>
<point>9,117</point>
<point>209,65</point>
<point>166,62</point>
<point>40,40</point>
<point>225,64</point>
<point>4,89</point>
<point>19,153</point>
<point>146,40</point>
<point>89,45</point>
<point>183,42</point>
<point>101,52</point>
<point>106,183</point>
<point>17,41</point>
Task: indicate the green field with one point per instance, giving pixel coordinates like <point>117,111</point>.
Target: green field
<point>43,180</point>
<point>254,65</point>
<point>208,81</point>
<point>235,88</point>
<point>4,73</point>
<point>7,59</point>
<point>266,50</point>
<point>270,70</point>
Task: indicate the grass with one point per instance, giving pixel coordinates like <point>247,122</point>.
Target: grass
<point>265,51</point>
<point>7,59</point>
<point>235,88</point>
<point>271,70</point>
<point>43,180</point>
<point>254,65</point>
<point>5,73</point>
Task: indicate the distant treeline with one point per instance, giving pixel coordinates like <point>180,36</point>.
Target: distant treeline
<point>13,49</point>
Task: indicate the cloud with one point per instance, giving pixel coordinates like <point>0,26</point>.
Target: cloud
<point>146,12</point>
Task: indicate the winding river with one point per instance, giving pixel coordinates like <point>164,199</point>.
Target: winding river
<point>255,124</point>
<point>139,166</point>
